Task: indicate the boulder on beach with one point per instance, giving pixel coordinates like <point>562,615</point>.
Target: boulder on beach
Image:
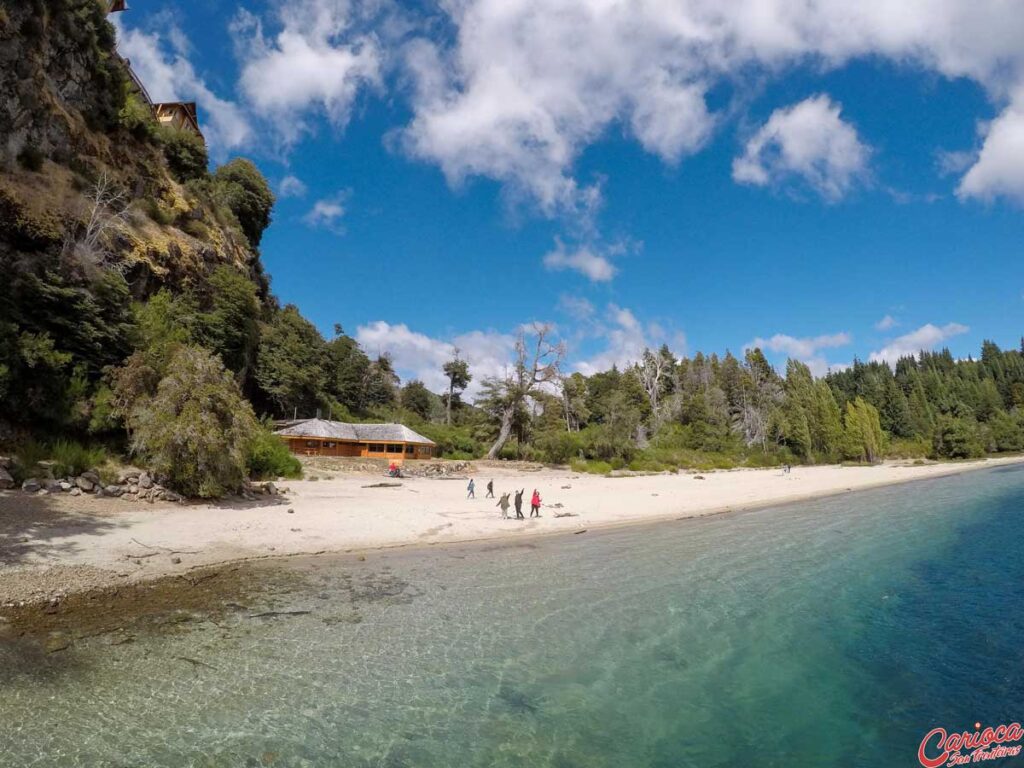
<point>31,485</point>
<point>84,483</point>
<point>6,481</point>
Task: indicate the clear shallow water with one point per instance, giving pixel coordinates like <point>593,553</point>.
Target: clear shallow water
<point>832,633</point>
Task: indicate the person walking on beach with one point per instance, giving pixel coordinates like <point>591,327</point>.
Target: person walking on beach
<point>535,503</point>
<point>519,504</point>
<point>471,488</point>
<point>504,504</point>
<point>490,490</point>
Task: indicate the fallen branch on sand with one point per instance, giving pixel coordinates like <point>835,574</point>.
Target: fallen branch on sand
<point>273,614</point>
<point>566,514</point>
<point>196,662</point>
<point>168,550</point>
<point>384,485</point>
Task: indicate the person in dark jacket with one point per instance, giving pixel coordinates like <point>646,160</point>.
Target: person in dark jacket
<point>519,504</point>
<point>471,489</point>
<point>490,489</point>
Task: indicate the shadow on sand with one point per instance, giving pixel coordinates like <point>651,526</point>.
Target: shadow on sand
<point>35,528</point>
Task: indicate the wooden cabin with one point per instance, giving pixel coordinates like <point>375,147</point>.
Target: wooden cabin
<point>178,114</point>
<point>319,437</point>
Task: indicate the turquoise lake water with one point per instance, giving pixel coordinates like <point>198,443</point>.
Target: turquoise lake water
<point>828,633</point>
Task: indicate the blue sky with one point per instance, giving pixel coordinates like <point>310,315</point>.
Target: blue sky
<point>827,182</point>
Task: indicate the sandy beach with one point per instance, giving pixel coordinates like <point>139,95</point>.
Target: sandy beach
<point>52,545</point>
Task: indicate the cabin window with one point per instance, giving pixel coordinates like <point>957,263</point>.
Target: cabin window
<point>377,448</point>
<point>311,443</point>
<point>393,448</point>
<point>410,449</point>
<point>330,444</point>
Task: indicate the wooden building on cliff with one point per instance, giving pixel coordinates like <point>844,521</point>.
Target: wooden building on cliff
<point>319,437</point>
<point>178,114</point>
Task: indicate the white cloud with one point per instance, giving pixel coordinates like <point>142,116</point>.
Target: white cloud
<point>328,212</point>
<point>595,266</point>
<point>520,88</point>
<point>419,356</point>
<point>886,323</point>
<point>807,349</point>
<point>576,307</point>
<point>626,338</point>
<point>291,186</point>
<point>926,338</point>
<point>163,66</point>
<point>809,141</point>
<point>999,169</point>
<point>314,62</point>
<point>528,85</point>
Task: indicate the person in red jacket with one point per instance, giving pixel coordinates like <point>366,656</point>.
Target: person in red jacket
<point>535,503</point>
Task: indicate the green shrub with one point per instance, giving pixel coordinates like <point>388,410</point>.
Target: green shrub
<point>560,447</point>
<point>591,467</point>
<point>241,187</point>
<point>452,441</point>
<point>197,428</point>
<point>72,458</point>
<point>31,158</point>
<point>909,448</point>
<point>268,457</point>
<point>157,212</point>
<point>137,117</point>
<point>185,152</point>
<point>762,460</point>
<point>645,464</point>
<point>956,438</point>
<point>196,229</point>
<point>27,459</point>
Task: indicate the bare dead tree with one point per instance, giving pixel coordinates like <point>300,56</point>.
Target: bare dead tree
<point>106,212</point>
<point>654,370</point>
<point>537,363</point>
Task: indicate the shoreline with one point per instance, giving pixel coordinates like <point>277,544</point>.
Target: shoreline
<point>76,551</point>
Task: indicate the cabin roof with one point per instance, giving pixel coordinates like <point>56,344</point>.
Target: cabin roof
<point>339,430</point>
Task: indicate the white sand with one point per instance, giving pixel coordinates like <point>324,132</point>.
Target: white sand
<point>341,515</point>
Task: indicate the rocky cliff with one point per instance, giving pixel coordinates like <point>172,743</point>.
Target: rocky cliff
<point>85,181</point>
<point>100,207</point>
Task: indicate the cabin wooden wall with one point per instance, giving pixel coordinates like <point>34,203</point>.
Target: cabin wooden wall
<point>316,447</point>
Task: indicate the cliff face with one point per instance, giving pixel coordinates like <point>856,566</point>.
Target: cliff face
<point>83,187</point>
<point>99,206</point>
